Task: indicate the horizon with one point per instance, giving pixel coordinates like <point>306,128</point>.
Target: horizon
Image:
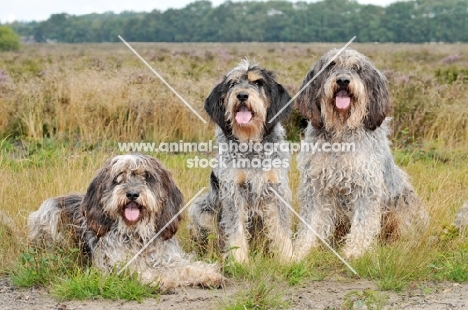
<point>31,10</point>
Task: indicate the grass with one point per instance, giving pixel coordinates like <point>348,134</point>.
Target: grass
<point>67,107</point>
<point>91,284</point>
<point>37,267</point>
<point>393,267</point>
<point>260,295</point>
<point>69,277</point>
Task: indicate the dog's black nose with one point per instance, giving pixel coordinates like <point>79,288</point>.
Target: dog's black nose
<point>132,195</point>
<point>342,81</point>
<point>242,96</point>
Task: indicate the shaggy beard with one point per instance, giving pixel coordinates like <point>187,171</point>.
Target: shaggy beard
<point>254,129</point>
<point>149,210</point>
<point>336,120</point>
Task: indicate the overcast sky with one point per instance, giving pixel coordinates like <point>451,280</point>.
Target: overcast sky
<point>27,10</point>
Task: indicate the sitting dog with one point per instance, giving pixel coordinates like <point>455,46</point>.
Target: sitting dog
<point>240,204</point>
<point>351,183</point>
<point>131,199</point>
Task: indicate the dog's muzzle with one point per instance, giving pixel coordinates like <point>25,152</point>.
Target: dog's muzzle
<point>342,96</point>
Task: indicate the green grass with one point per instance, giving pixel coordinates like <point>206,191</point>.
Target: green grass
<point>452,266</point>
<point>92,284</point>
<point>261,295</point>
<point>297,273</point>
<point>37,267</point>
<point>394,267</point>
<point>69,277</point>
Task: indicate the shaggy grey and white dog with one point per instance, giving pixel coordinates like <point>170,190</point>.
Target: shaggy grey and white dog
<point>131,199</point>
<point>357,191</point>
<point>240,204</point>
<point>461,221</point>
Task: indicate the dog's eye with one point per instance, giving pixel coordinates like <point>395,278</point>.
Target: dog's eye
<point>147,176</point>
<point>356,69</point>
<point>232,84</point>
<point>258,83</point>
<point>118,179</point>
<point>331,65</point>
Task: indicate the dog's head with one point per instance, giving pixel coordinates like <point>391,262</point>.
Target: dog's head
<point>348,92</point>
<point>246,100</point>
<point>134,192</point>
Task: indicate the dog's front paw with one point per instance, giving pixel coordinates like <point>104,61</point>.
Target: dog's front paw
<point>240,255</point>
<point>351,253</point>
<point>212,280</point>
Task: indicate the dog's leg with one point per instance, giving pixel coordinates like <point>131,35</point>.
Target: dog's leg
<point>181,270</point>
<point>203,213</point>
<point>237,241</point>
<point>318,210</point>
<point>410,216</point>
<point>44,224</point>
<point>277,223</point>
<point>365,226</point>
<point>406,212</point>
<point>202,219</point>
<point>278,232</point>
<point>196,274</point>
<point>461,221</point>
<point>57,221</point>
<point>191,274</point>
<point>166,265</point>
<point>234,226</point>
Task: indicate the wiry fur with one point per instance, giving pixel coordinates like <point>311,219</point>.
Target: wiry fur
<point>461,221</point>
<point>363,193</point>
<point>97,221</point>
<point>239,204</point>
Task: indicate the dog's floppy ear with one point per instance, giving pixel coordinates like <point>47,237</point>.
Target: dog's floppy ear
<point>308,102</point>
<point>92,208</point>
<point>279,98</point>
<point>214,106</point>
<point>379,100</point>
<point>171,199</point>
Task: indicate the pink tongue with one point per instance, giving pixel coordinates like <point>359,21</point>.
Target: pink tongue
<point>132,212</point>
<point>244,115</point>
<point>342,99</point>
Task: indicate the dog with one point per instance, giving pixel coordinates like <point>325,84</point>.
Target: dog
<point>357,192</point>
<point>131,199</point>
<point>240,204</point>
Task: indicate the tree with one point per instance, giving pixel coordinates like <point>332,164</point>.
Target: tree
<point>9,40</point>
<point>274,20</point>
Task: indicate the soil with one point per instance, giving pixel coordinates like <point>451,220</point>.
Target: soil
<point>313,295</point>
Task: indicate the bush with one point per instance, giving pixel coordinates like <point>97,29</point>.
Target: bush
<point>9,40</point>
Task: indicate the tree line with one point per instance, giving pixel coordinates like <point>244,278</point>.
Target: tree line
<point>413,21</point>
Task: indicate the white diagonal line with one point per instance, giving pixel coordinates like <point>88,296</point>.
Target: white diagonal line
<point>314,232</point>
<point>161,230</point>
<point>163,80</point>
<point>305,86</point>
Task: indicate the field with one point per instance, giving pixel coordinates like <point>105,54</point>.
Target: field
<point>65,108</point>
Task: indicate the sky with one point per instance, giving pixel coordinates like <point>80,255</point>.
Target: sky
<point>28,10</point>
